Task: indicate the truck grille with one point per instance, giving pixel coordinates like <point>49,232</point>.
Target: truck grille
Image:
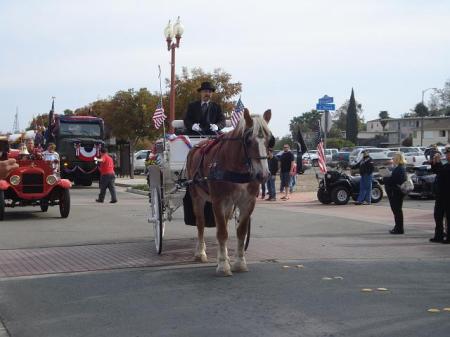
<point>33,183</point>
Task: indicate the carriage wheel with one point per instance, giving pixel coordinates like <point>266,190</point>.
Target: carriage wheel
<point>156,217</point>
<point>247,236</point>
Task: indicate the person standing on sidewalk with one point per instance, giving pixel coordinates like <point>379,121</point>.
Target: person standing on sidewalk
<point>394,192</point>
<point>286,165</point>
<point>273,169</point>
<point>442,203</point>
<point>365,184</point>
<point>107,176</point>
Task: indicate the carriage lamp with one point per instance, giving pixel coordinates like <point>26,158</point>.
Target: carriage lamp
<point>51,180</point>
<point>14,180</point>
<point>66,164</point>
<point>170,32</point>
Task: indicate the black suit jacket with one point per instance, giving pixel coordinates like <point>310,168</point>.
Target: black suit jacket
<point>213,115</point>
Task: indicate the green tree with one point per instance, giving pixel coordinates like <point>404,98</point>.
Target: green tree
<point>352,120</point>
<point>439,103</point>
<point>279,142</point>
<point>421,110</point>
<point>187,84</point>
<point>338,143</point>
<point>68,112</point>
<point>340,116</point>
<point>38,121</point>
<point>383,116</point>
<point>308,121</point>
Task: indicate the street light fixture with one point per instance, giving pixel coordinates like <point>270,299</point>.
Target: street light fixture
<point>421,122</point>
<point>170,32</point>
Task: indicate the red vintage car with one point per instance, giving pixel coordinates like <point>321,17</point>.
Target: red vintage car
<point>35,183</point>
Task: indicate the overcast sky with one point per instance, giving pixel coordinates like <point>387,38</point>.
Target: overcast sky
<point>287,54</point>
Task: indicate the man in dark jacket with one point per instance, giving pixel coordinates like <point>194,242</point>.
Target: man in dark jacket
<point>365,184</point>
<point>442,203</point>
<point>273,169</point>
<point>204,116</point>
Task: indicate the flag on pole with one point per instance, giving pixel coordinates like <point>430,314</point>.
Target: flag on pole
<point>320,151</point>
<point>159,116</point>
<point>237,113</point>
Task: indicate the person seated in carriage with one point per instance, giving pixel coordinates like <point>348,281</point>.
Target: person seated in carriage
<point>204,117</point>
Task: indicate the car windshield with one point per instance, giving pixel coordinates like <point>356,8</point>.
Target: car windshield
<point>79,129</point>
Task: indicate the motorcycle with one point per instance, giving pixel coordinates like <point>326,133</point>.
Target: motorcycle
<point>339,187</point>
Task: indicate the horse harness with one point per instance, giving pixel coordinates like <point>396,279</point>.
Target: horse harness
<point>218,174</point>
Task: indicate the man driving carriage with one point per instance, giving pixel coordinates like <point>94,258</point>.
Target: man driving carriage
<point>204,116</point>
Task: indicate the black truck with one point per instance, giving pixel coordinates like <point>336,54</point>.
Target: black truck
<point>78,141</point>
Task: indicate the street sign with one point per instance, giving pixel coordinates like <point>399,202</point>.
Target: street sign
<point>326,99</point>
<point>322,107</point>
<point>328,122</point>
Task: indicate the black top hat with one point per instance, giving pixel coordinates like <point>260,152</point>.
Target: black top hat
<point>206,86</point>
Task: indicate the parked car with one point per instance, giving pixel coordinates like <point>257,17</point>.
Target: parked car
<point>423,180</point>
<point>341,159</point>
<point>338,187</point>
<point>415,158</point>
<point>312,156</point>
<point>356,154</point>
<point>406,149</point>
<point>140,158</point>
<point>379,159</point>
<point>329,154</point>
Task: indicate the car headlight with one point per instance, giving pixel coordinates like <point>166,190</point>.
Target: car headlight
<point>14,180</point>
<point>51,180</point>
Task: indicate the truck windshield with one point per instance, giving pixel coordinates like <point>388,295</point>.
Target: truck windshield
<point>80,130</point>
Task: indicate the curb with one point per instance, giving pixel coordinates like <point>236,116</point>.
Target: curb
<point>135,191</point>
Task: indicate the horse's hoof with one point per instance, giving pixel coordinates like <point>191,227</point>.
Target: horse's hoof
<point>201,258</point>
<point>223,269</point>
<point>240,267</point>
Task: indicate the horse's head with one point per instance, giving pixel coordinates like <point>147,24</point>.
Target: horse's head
<point>257,140</point>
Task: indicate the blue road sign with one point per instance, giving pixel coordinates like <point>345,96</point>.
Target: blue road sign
<point>325,100</point>
<point>321,107</point>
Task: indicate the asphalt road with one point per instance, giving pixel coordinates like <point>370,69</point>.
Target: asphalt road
<point>340,250</point>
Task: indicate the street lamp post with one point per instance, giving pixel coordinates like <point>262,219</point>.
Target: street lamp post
<point>421,122</point>
<point>170,32</point>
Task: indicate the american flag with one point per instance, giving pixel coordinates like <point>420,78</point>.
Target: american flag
<point>320,151</point>
<point>237,113</point>
<point>159,116</point>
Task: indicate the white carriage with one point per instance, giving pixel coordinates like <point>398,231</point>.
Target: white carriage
<point>168,183</point>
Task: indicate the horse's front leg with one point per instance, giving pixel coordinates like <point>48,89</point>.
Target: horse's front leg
<point>223,261</point>
<point>200,249</point>
<point>240,264</point>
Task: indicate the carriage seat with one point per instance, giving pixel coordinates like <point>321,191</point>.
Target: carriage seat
<point>180,129</point>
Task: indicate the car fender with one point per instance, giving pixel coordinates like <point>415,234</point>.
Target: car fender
<point>64,183</point>
<point>4,185</point>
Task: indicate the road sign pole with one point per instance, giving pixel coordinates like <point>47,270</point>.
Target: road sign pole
<point>325,129</point>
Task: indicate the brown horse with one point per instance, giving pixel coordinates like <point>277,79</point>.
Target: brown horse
<point>227,172</point>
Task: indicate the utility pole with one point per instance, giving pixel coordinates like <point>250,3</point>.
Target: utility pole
<point>16,128</point>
